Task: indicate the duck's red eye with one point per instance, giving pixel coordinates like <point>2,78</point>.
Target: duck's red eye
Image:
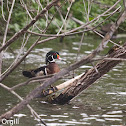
<point>54,54</point>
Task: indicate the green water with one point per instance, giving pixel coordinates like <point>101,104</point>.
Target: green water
<point>102,104</point>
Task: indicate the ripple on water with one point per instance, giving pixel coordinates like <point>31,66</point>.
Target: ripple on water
<point>114,112</point>
<point>19,115</point>
<point>83,44</point>
<point>73,122</point>
<point>44,50</point>
<point>88,52</point>
<point>8,55</point>
<point>116,93</point>
<point>118,104</point>
<point>113,119</point>
<point>113,116</point>
<point>75,48</point>
<point>61,116</point>
<point>86,66</point>
<point>112,86</point>
<point>42,115</point>
<point>84,115</point>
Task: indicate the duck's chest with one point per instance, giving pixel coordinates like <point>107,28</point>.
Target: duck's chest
<point>53,68</point>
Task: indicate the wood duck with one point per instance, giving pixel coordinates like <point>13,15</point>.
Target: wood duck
<point>50,68</point>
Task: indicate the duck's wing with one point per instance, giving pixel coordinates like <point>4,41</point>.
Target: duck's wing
<point>36,72</point>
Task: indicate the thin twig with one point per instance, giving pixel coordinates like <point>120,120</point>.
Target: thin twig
<point>86,24</point>
<point>80,44</point>
<point>5,33</point>
<point>111,59</point>
<point>9,17</point>
<point>65,17</point>
<point>36,18</point>
<point>19,97</point>
<point>23,4</point>
<point>19,54</point>
<point>30,80</point>
<point>93,28</point>
<point>29,50</point>
<point>2,10</point>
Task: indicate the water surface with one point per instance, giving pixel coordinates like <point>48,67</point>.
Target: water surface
<point>102,104</point>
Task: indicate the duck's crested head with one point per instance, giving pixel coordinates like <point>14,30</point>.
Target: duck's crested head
<point>51,56</point>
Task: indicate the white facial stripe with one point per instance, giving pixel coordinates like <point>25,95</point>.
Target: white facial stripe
<point>53,60</point>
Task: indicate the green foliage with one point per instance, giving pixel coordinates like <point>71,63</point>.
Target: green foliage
<point>20,17</point>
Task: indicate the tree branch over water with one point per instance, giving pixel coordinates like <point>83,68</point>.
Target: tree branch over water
<point>36,18</point>
<point>36,92</point>
<point>82,81</point>
<point>51,38</point>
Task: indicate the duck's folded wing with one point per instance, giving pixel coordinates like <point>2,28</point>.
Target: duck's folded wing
<point>36,72</point>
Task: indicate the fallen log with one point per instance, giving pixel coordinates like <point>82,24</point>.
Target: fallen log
<point>90,76</point>
<point>59,87</point>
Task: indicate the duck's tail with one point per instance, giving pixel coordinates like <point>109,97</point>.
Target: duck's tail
<point>28,74</point>
<point>36,72</point>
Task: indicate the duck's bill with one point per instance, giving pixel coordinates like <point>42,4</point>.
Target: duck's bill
<point>58,57</point>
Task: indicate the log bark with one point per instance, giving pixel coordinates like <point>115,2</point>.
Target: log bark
<point>90,77</point>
